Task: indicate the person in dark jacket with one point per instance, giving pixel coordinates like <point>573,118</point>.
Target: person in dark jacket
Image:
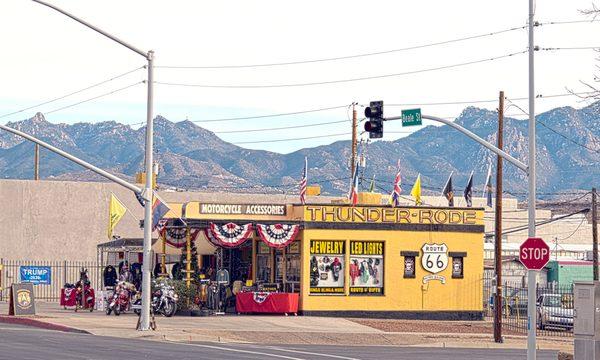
<point>110,276</point>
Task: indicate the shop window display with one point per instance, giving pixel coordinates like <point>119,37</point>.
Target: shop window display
<point>409,267</point>
<point>263,262</point>
<point>366,268</point>
<point>457,268</point>
<point>327,267</point>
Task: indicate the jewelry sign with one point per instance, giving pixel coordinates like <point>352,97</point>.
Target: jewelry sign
<point>327,267</point>
<point>366,268</point>
<point>434,260</point>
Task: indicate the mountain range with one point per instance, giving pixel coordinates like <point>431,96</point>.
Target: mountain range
<point>190,157</point>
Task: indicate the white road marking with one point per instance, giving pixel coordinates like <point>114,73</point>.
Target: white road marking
<point>312,353</point>
<point>242,351</point>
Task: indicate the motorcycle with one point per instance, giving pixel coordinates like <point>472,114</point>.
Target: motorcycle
<point>121,298</point>
<point>163,300</point>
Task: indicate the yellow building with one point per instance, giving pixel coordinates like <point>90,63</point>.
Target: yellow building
<point>411,262</point>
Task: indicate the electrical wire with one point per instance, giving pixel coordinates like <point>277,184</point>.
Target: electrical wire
<point>337,58</point>
<point>290,139</point>
<point>95,97</point>
<point>74,92</point>
<point>265,86</point>
<point>281,128</point>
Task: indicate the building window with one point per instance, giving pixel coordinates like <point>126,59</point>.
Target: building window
<point>457,264</point>
<point>409,263</point>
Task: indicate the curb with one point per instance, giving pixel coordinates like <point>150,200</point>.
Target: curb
<point>39,324</point>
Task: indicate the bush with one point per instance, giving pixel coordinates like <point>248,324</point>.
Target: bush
<point>186,296</point>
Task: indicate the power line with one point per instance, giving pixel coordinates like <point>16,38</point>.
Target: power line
<point>259,86</point>
<point>74,92</point>
<point>95,97</point>
<point>281,128</point>
<point>337,58</point>
<point>290,139</point>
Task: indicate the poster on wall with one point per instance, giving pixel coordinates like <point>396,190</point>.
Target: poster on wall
<point>327,267</point>
<point>366,268</point>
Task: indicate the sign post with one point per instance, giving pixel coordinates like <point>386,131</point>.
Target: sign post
<point>534,253</point>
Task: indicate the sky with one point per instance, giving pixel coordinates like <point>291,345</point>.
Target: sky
<point>47,55</point>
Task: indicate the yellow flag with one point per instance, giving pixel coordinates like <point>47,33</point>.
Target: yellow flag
<point>416,190</point>
<point>116,210</point>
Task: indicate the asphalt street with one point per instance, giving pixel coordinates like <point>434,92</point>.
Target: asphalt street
<point>19,342</point>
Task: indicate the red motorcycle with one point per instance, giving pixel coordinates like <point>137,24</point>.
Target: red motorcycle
<point>121,298</point>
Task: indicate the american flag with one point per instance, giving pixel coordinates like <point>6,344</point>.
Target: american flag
<point>397,188</point>
<point>353,194</point>
<point>304,182</point>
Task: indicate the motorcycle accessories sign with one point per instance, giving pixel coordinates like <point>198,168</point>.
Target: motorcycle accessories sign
<point>434,260</point>
<point>37,275</point>
<point>243,209</point>
<point>366,267</point>
<point>327,267</point>
<point>22,299</point>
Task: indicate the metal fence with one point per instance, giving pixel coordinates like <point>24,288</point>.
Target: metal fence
<point>554,307</point>
<point>61,272</point>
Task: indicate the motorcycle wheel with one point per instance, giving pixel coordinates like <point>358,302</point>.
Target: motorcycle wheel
<point>169,309</point>
<point>137,302</point>
<point>108,310</point>
<point>117,310</point>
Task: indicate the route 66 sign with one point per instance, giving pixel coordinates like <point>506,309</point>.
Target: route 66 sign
<point>435,257</point>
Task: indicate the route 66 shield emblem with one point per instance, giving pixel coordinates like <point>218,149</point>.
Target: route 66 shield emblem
<point>435,257</point>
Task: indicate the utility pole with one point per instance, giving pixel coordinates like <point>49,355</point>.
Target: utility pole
<point>498,227</point>
<point>354,126</point>
<point>36,162</point>
<point>531,274</point>
<point>595,232</point>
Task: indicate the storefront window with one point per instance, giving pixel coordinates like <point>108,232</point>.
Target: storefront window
<point>366,267</point>
<point>279,263</point>
<point>263,262</point>
<point>457,264</point>
<point>327,268</point>
<point>292,272</point>
<point>409,263</point>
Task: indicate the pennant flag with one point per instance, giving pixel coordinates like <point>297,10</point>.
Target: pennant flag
<point>139,198</point>
<point>353,194</point>
<point>304,182</point>
<point>487,191</point>
<point>372,186</point>
<point>159,209</point>
<point>448,191</point>
<point>395,198</point>
<point>116,211</point>
<point>416,191</point>
<point>469,191</point>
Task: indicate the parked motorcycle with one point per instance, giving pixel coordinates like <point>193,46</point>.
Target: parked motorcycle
<point>163,300</point>
<point>121,298</point>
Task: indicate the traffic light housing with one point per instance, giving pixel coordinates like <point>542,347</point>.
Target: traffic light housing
<point>374,126</point>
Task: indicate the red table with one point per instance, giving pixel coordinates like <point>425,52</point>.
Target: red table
<point>263,302</point>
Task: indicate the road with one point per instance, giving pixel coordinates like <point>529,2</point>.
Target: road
<point>19,342</point>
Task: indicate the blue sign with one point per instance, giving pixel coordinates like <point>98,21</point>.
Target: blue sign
<point>36,274</point>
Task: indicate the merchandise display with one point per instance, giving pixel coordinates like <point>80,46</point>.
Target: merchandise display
<point>366,267</point>
<point>327,267</point>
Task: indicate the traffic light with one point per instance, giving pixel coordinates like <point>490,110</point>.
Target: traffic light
<point>374,126</point>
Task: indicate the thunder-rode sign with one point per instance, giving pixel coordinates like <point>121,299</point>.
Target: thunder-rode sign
<point>534,253</point>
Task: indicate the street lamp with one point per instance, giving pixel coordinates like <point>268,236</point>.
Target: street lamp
<point>147,192</point>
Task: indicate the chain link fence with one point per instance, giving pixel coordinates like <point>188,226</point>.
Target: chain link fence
<point>61,272</point>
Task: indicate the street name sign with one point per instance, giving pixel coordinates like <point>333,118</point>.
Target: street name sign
<point>534,253</point>
<point>411,117</point>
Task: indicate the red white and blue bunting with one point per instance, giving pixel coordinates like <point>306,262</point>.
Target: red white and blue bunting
<point>176,236</point>
<point>229,235</point>
<point>277,235</point>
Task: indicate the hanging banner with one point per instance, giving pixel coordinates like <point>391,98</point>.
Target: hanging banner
<point>327,267</point>
<point>277,235</point>
<point>37,275</point>
<point>229,235</point>
<point>366,267</point>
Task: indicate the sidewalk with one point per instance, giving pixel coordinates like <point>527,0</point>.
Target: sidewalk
<point>287,330</point>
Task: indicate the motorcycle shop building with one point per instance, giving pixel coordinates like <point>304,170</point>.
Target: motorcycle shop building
<point>403,262</point>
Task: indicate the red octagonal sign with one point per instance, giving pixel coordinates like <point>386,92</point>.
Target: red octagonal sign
<point>534,253</point>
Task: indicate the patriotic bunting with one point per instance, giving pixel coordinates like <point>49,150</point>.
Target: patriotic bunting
<point>176,236</point>
<point>277,235</point>
<point>229,235</point>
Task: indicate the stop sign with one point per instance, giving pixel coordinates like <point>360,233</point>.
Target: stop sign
<point>534,253</point>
